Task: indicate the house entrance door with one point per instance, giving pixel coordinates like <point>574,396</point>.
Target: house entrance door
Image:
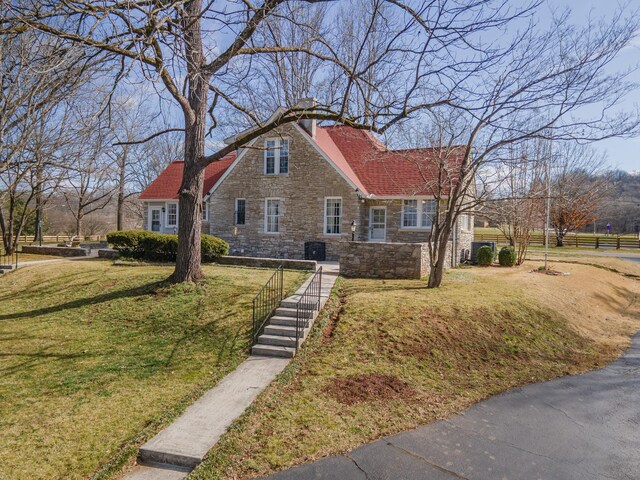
<point>156,219</point>
<point>378,224</point>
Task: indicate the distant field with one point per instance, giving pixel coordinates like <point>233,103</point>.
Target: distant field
<point>495,231</point>
<point>571,240</point>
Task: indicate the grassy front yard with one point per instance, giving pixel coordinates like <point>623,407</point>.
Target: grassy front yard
<point>95,358</point>
<point>30,257</point>
<point>394,355</point>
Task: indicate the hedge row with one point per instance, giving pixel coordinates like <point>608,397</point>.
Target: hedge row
<point>145,245</point>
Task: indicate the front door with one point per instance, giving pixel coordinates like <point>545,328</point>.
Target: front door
<point>156,219</point>
<point>378,224</point>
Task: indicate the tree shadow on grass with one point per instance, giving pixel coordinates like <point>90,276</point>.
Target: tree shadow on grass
<point>32,359</point>
<point>142,290</point>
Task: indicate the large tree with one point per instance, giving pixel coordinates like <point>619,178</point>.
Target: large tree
<point>206,56</point>
<point>554,83</point>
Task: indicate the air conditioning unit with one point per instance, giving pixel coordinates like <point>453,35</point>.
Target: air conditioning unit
<point>475,246</point>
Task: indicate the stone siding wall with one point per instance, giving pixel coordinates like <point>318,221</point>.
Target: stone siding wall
<point>109,253</point>
<point>387,260</point>
<point>465,237</point>
<point>58,251</point>
<point>302,193</point>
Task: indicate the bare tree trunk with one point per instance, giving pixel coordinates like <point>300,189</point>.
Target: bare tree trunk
<point>188,258</point>
<point>436,272</point>
<point>79,225</point>
<point>120,203</point>
<point>38,197</point>
<point>441,240</point>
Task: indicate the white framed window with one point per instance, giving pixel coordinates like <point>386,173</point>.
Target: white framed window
<point>428,213</point>
<point>205,211</point>
<point>240,211</point>
<point>409,213</point>
<point>272,213</point>
<point>418,213</point>
<point>466,222</point>
<point>276,156</point>
<point>332,215</point>
<point>172,214</point>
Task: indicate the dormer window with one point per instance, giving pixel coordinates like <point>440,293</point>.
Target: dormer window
<point>276,156</point>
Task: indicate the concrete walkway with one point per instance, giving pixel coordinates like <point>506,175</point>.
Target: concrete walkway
<point>176,450</point>
<point>574,428</point>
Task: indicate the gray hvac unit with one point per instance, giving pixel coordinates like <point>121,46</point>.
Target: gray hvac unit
<point>475,246</point>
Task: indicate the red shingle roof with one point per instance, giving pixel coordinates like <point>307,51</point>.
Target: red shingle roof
<point>377,171</point>
<point>167,184</point>
<point>364,160</point>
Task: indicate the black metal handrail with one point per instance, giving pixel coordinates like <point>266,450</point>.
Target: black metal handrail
<point>9,260</point>
<point>309,302</point>
<point>266,302</point>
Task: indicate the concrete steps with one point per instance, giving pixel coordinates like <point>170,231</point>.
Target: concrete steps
<point>273,351</point>
<point>279,336</point>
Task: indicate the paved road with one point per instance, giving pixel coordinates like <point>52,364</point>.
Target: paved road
<point>580,427</point>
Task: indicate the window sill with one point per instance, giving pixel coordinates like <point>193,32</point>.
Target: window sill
<point>415,229</point>
<point>272,233</point>
<point>275,175</point>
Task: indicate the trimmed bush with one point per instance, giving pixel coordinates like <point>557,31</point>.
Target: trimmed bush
<point>129,242</point>
<point>212,247</point>
<point>161,247</point>
<point>485,255</point>
<point>507,257</point>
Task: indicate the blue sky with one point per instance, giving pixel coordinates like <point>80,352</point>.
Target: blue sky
<point>622,153</point>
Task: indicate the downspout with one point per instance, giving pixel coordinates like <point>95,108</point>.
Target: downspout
<point>454,245</point>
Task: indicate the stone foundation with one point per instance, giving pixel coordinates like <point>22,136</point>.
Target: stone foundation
<point>108,253</point>
<point>256,262</point>
<point>387,260</point>
<point>58,251</point>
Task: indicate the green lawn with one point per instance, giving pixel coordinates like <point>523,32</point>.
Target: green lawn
<point>391,355</point>
<point>30,257</point>
<point>95,358</point>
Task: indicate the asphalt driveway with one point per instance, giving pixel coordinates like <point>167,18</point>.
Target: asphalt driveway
<point>578,427</point>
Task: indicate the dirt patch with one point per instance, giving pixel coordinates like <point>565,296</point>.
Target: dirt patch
<point>369,387</point>
<point>329,330</point>
<point>555,273</point>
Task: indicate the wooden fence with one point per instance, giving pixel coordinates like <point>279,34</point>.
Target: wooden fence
<point>585,241</point>
<point>62,238</point>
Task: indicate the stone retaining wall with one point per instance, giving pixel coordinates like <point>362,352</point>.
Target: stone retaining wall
<point>387,260</point>
<point>257,262</point>
<point>58,251</point>
<point>108,253</point>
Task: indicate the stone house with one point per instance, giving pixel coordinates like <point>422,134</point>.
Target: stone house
<point>316,192</point>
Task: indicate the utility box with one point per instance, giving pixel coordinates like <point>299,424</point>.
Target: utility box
<point>475,246</point>
<point>315,251</point>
